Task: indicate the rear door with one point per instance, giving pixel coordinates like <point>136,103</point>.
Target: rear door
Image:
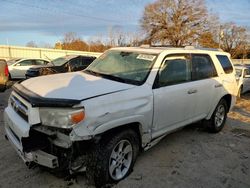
<point>207,84</point>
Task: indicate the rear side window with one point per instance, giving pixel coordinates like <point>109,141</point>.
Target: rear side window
<point>225,63</point>
<point>246,72</point>
<point>26,63</point>
<point>202,67</point>
<point>41,62</point>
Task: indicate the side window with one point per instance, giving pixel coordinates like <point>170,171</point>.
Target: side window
<point>75,62</point>
<point>86,61</point>
<point>174,70</point>
<point>238,72</point>
<point>26,63</point>
<point>202,67</point>
<point>40,62</point>
<point>225,63</point>
<point>248,72</point>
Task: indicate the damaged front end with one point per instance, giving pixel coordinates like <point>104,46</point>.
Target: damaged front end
<point>52,148</point>
<point>39,138</point>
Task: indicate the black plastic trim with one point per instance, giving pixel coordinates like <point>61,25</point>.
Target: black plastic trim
<point>37,101</point>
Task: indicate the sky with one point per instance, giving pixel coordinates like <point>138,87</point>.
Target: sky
<point>46,21</point>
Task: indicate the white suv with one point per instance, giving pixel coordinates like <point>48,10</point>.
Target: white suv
<point>128,99</point>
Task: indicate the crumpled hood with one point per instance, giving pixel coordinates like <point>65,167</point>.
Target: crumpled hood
<point>77,86</point>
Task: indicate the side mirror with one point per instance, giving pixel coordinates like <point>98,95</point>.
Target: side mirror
<point>18,64</point>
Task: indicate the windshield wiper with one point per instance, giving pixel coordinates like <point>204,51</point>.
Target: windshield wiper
<point>91,72</point>
<point>112,77</point>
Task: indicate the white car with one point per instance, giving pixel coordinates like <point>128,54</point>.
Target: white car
<point>128,99</point>
<point>19,67</point>
<point>243,79</point>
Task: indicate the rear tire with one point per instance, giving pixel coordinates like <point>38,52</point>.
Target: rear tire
<point>113,158</point>
<point>218,119</point>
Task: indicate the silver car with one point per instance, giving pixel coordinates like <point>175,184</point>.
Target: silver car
<point>19,67</point>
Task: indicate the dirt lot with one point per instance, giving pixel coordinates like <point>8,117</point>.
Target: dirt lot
<point>188,158</point>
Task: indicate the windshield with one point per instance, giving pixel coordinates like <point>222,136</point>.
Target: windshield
<point>59,61</point>
<point>238,72</point>
<point>122,66</point>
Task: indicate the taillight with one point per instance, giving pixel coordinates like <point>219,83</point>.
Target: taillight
<point>6,71</point>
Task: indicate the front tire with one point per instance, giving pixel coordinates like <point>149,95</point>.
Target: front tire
<point>113,158</point>
<point>218,119</point>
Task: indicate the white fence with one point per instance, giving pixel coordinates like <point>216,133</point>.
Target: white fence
<point>241,61</point>
<point>8,52</point>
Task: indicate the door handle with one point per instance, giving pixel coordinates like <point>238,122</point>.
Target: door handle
<point>192,91</point>
<point>218,85</point>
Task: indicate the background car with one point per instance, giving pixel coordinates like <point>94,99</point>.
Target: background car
<point>69,63</point>
<point>4,75</point>
<point>18,67</point>
<point>243,79</point>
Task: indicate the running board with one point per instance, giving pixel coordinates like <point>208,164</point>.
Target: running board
<point>154,142</point>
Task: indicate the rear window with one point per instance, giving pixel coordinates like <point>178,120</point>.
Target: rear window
<point>225,63</point>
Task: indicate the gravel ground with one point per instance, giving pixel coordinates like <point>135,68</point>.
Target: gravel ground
<point>190,158</point>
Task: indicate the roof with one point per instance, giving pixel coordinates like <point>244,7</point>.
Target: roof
<point>159,49</point>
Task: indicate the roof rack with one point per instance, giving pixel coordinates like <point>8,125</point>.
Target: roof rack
<point>200,48</point>
<point>178,47</point>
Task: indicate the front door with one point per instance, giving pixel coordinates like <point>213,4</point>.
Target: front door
<point>174,94</point>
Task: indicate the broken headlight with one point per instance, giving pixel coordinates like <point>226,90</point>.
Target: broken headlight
<point>61,118</point>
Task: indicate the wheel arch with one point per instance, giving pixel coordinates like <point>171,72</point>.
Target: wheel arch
<point>135,126</point>
<point>227,98</point>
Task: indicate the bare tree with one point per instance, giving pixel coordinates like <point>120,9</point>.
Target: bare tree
<point>116,37</point>
<point>31,44</point>
<point>207,40</point>
<point>70,37</point>
<point>175,22</point>
<point>72,42</point>
<point>234,39</point>
<point>45,45</point>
